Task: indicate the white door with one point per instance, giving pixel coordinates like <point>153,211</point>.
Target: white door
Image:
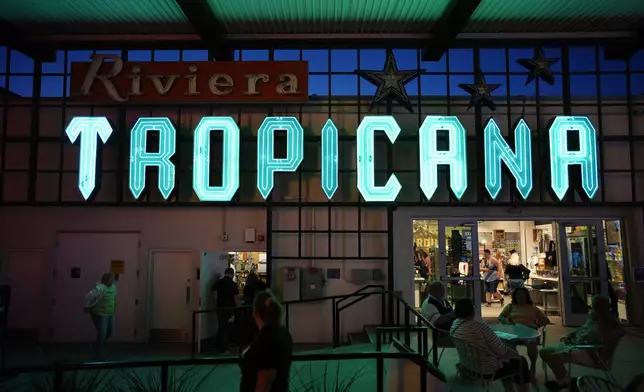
<point>212,263</point>
<point>582,264</point>
<point>173,273</point>
<point>458,260</point>
<point>27,276</point>
<point>81,259</point>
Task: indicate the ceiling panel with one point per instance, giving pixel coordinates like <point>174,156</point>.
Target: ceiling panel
<point>328,16</point>
<point>556,15</point>
<point>104,16</point>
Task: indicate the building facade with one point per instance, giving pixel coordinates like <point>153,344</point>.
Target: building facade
<point>48,229</point>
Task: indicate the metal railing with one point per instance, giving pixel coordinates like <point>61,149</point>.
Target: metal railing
<point>164,366</point>
<point>245,310</point>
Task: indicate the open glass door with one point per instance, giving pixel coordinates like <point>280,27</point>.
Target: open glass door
<point>583,268</point>
<point>458,261</point>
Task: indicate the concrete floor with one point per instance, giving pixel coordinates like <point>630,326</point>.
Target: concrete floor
<point>356,375</point>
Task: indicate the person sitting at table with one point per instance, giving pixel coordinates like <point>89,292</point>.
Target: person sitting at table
<point>601,328</point>
<point>523,311</point>
<point>435,308</point>
<point>502,361</point>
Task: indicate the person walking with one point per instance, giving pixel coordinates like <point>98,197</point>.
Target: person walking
<point>227,299</point>
<point>491,272</point>
<point>100,303</point>
<point>266,363</point>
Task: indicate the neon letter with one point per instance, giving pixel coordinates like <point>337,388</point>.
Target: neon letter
<point>230,161</point>
<point>430,157</point>
<point>365,162</point>
<point>88,128</point>
<point>329,158</point>
<point>519,163</point>
<point>267,164</point>
<point>561,157</point>
<point>140,159</point>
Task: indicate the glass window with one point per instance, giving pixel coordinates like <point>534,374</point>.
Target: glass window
<point>406,58</point>
<point>56,66</point>
<point>319,85</point>
<point>21,63</point>
<point>195,55</point>
<point>51,86</point>
<point>637,61</point>
<point>166,55</point>
<point>22,85</point>
<point>610,65</point>
<point>461,60</point>
<point>254,55</point>
<point>286,55</point>
<point>374,59</point>
<point>3,59</point>
<point>434,66</point>
<point>346,60</point>
<point>344,85</point>
<point>433,85</point>
<point>613,85</point>
<point>555,89</point>
<point>582,58</point>
<point>139,55</point>
<point>492,60</point>
<point>637,84</point>
<point>583,86</point>
<point>78,56</point>
<point>456,80</point>
<point>518,86</point>
<point>318,60</point>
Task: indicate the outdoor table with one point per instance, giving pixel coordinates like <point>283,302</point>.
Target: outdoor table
<point>516,333</point>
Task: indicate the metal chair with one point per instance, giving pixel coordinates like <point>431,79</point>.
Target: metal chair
<point>601,355</point>
<point>596,384</point>
<point>440,340</point>
<point>468,355</point>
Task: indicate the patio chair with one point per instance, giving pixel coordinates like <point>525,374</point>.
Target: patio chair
<point>440,340</point>
<point>601,355</point>
<point>596,384</point>
<point>468,355</point>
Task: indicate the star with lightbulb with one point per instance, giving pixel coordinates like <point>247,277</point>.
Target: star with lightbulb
<point>390,83</point>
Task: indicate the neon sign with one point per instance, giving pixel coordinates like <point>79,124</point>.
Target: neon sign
<point>497,152</point>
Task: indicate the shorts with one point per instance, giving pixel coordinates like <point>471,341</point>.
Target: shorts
<point>490,287</point>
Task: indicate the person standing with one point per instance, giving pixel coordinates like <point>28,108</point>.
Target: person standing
<point>227,294</point>
<point>100,303</point>
<point>515,272</point>
<point>491,271</point>
<point>266,363</point>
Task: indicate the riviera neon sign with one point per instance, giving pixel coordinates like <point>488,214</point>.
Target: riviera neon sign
<point>497,152</point>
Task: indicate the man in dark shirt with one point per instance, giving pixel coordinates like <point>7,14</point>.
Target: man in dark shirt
<point>227,298</point>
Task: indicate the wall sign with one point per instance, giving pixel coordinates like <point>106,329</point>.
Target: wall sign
<point>497,152</point>
<point>108,78</point>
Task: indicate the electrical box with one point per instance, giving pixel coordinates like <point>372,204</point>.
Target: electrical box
<point>290,283</point>
<point>312,283</point>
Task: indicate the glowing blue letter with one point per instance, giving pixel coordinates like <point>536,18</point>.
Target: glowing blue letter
<point>430,157</point>
<point>88,128</point>
<point>267,164</point>
<point>365,162</point>
<point>497,150</point>
<point>230,161</point>
<point>329,158</point>
<point>140,159</point>
<point>561,157</point>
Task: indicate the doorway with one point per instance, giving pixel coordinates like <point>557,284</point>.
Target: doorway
<point>591,251</point>
<point>172,276</point>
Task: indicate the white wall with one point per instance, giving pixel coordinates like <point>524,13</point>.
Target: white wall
<point>403,236</point>
<point>198,229</point>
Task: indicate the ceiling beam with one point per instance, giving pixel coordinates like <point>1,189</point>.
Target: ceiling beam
<point>446,29</point>
<point>206,24</point>
<point>626,50</point>
<point>18,40</point>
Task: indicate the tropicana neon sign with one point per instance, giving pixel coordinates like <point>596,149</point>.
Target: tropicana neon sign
<point>497,152</point>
